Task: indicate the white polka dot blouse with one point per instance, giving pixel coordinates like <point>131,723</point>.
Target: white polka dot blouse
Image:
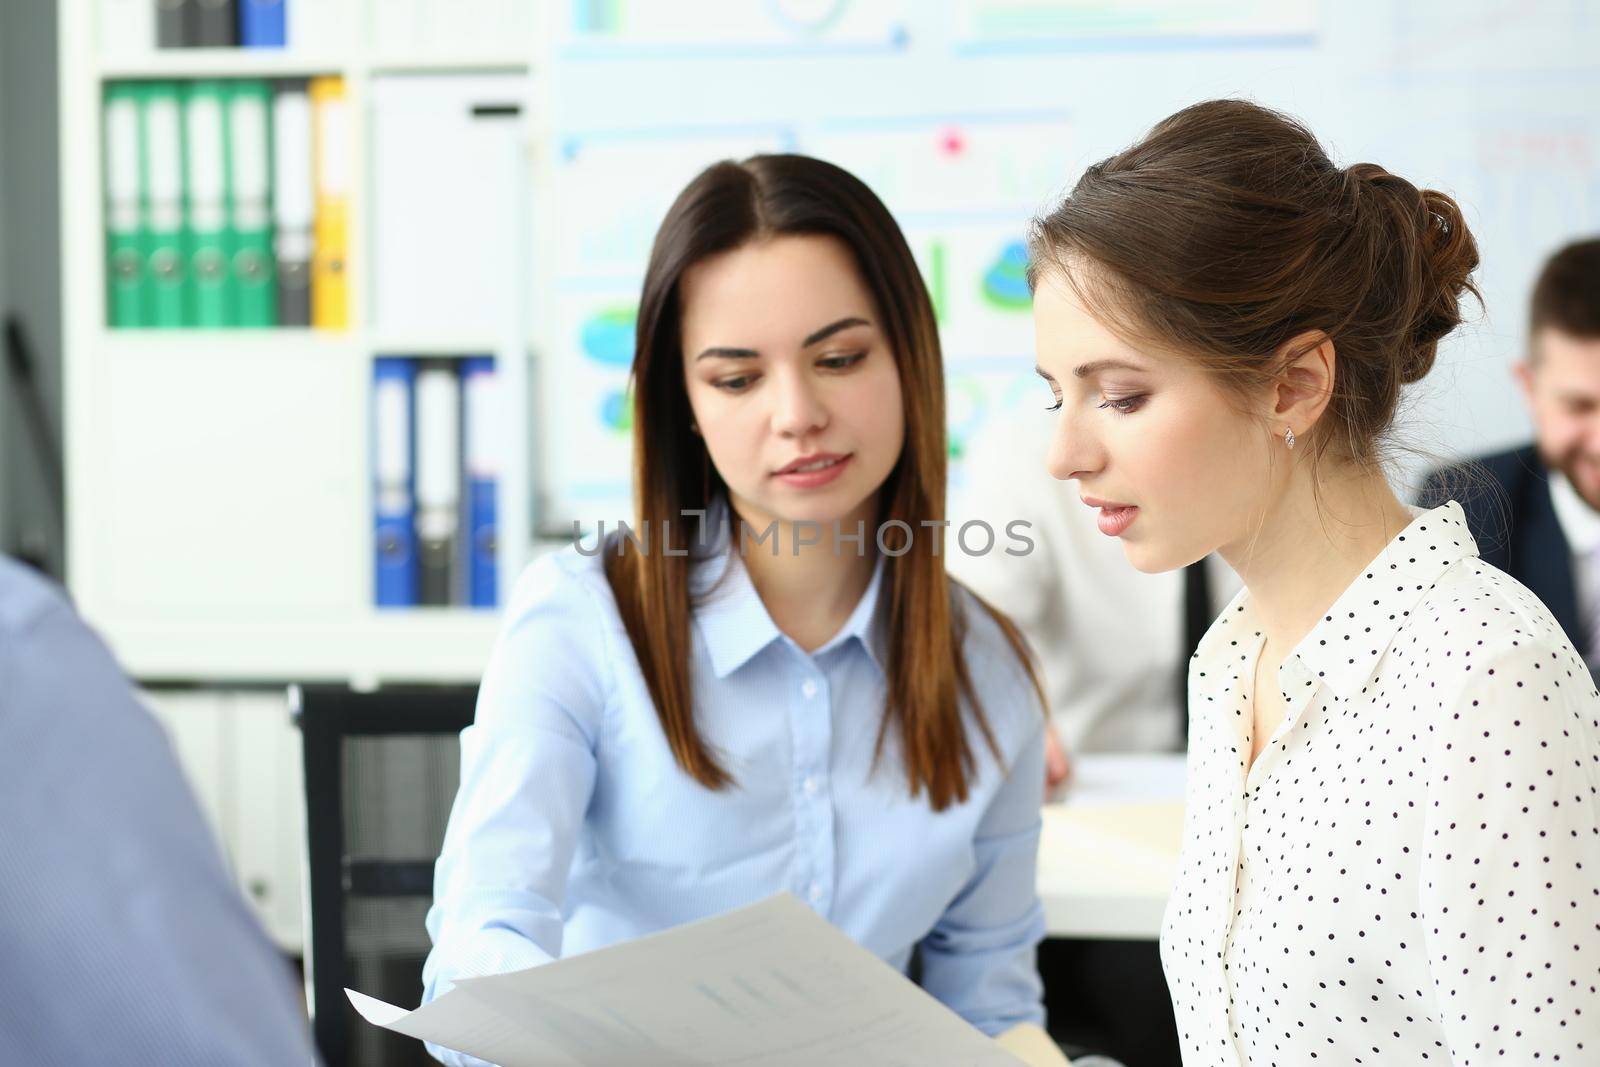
<point>1410,871</point>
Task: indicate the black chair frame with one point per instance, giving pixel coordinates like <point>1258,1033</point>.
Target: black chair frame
<point>326,715</point>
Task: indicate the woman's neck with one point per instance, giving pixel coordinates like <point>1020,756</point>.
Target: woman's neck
<point>811,595</point>
<point>1309,547</point>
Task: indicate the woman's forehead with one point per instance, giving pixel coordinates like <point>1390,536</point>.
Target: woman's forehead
<point>780,290</point>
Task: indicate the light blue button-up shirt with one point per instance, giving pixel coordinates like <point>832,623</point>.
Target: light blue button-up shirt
<point>574,827</point>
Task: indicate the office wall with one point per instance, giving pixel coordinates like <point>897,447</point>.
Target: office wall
<point>30,267</point>
<point>1489,100</point>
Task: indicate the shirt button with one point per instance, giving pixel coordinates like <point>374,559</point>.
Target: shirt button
<point>808,689</point>
<point>810,786</point>
<point>816,893</point>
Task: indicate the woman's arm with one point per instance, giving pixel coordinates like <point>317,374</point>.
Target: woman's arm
<point>1510,864</point>
<point>527,772</point>
<point>979,958</point>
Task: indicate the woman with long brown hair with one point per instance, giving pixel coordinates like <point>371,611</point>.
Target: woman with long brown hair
<point>767,682</point>
<point>1392,839</point>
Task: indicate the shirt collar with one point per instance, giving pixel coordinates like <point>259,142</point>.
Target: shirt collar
<point>734,621</point>
<point>1344,647</point>
<point>1579,522</point>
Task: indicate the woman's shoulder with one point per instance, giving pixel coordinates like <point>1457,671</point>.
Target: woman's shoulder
<point>556,644</point>
<point>562,573</point>
<point>1479,609</point>
<point>1506,699</point>
<point>563,586</point>
<point>1493,651</point>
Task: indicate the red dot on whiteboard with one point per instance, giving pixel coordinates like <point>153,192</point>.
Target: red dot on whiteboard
<point>952,143</point>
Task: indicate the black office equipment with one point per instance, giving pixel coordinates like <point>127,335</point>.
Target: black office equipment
<point>381,771</point>
<point>215,24</point>
<point>174,19</point>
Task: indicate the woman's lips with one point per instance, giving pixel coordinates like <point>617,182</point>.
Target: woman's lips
<point>1115,519</point>
<point>817,478</point>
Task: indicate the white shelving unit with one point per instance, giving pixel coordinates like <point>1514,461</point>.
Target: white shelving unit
<point>279,63</point>
<point>218,488</point>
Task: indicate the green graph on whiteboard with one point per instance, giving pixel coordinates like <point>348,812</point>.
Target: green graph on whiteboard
<point>1005,283</point>
<point>616,411</point>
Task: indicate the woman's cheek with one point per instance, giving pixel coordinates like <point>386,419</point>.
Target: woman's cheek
<point>1154,446</point>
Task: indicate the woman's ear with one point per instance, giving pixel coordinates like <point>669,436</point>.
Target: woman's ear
<point>1305,385</point>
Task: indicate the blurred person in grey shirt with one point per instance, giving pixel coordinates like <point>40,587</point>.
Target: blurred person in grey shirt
<point>122,938</point>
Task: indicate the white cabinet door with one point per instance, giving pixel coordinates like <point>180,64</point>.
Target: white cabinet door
<point>269,813</point>
<point>241,755</point>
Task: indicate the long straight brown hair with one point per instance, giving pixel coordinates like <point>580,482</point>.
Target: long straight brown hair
<point>727,206</point>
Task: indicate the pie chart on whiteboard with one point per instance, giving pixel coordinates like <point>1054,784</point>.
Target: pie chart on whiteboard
<point>607,336</point>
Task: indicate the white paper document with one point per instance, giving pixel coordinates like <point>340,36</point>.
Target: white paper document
<point>772,984</point>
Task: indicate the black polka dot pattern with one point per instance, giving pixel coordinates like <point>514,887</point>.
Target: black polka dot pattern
<point>1410,871</point>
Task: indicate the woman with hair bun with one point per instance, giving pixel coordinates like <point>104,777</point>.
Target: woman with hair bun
<point>1392,838</point>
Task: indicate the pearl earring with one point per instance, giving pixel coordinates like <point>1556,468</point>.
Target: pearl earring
<point>1288,437</point>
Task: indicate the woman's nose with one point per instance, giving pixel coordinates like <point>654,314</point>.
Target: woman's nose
<point>798,406</point>
<point>1072,453</point>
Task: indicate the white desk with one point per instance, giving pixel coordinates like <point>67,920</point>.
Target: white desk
<point>1109,850</point>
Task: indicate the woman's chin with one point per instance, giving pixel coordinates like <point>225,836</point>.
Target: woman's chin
<point>818,510</point>
<point>1151,558</point>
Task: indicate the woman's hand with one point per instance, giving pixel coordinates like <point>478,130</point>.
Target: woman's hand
<point>1032,1046</point>
<point>1057,763</point>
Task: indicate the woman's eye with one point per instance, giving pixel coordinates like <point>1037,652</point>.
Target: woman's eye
<point>841,362</point>
<point>734,385</point>
<point>1124,405</point>
<point>1056,406</point>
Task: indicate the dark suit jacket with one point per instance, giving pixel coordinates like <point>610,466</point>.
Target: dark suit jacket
<point>1506,498</point>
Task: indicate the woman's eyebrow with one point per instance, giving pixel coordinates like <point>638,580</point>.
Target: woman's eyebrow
<point>832,328</point>
<point>1084,370</point>
<point>728,353</point>
<point>723,352</point>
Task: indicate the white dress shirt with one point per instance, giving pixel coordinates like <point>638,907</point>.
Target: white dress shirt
<point>1410,871</point>
<point>1580,525</point>
<point>1109,638</point>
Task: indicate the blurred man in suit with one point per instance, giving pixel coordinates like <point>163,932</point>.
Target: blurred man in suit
<point>1535,510</point>
<point>122,937</point>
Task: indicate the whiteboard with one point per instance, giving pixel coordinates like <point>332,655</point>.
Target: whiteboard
<point>967,116</point>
